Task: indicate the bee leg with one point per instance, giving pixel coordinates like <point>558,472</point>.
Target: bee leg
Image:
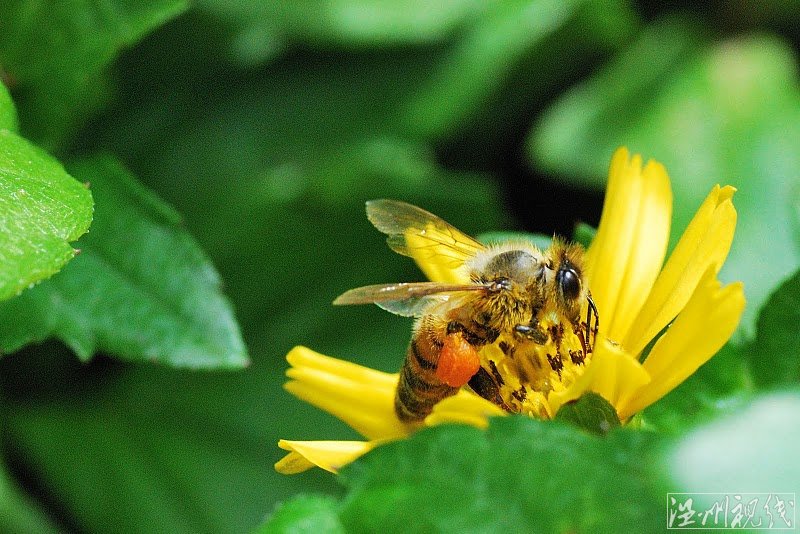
<point>531,332</point>
<point>584,344</point>
<point>484,384</point>
<point>591,330</point>
<point>478,338</point>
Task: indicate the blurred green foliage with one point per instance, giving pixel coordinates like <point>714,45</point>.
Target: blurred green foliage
<point>55,56</point>
<point>258,130</point>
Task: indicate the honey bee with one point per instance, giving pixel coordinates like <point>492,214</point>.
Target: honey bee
<point>497,290</point>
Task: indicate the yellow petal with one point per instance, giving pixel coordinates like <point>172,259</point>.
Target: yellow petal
<point>699,331</point>
<point>613,374</point>
<point>361,397</point>
<point>628,251</point>
<point>301,357</point>
<point>705,243</point>
<point>466,408</point>
<point>329,455</point>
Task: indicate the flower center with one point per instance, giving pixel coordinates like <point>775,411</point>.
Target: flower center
<point>526,371</point>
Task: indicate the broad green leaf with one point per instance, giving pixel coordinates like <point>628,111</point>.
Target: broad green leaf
<point>8,113</point>
<point>42,209</point>
<point>591,412</point>
<point>141,289</point>
<point>524,475</point>
<point>56,54</point>
<point>726,113</point>
<point>305,513</point>
<point>774,355</point>
<point>519,476</point>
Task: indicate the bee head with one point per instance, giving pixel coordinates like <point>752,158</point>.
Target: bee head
<point>569,283</point>
<point>568,280</point>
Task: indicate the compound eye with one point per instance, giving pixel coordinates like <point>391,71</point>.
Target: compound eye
<point>568,282</point>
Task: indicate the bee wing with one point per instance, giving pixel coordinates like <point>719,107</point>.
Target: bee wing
<point>437,247</point>
<point>407,299</point>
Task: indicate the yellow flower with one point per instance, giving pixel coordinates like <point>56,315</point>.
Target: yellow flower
<point>636,298</point>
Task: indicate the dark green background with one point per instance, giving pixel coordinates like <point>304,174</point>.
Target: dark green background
<point>266,125</point>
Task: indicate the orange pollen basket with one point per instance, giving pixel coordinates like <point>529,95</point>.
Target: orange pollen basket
<point>458,361</point>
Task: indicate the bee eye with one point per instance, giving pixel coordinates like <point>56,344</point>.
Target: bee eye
<point>568,282</point>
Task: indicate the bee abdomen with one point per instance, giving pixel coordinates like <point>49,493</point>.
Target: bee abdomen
<point>419,389</point>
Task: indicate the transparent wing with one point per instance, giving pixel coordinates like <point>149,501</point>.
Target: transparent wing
<point>409,299</point>
<point>437,247</point>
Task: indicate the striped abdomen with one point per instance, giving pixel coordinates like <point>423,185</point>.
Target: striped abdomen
<point>438,362</point>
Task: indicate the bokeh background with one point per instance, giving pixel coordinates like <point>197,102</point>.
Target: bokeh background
<point>268,124</point>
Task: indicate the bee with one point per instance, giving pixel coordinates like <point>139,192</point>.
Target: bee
<point>498,290</point>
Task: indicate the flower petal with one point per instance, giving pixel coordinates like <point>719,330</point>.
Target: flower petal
<point>302,357</point>
<point>613,374</point>
<point>699,331</point>
<point>705,242</point>
<point>361,397</point>
<point>631,242</point>
<point>329,455</point>
<point>466,408</point>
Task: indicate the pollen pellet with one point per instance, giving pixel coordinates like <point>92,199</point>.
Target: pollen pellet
<point>458,361</point>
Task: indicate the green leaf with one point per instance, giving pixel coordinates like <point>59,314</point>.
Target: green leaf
<point>141,289</point>
<point>8,113</point>
<point>42,209</point>
<point>726,113</point>
<point>57,53</point>
<point>524,475</point>
<point>591,412</point>
<point>304,513</point>
<point>521,475</point>
<point>774,355</point>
